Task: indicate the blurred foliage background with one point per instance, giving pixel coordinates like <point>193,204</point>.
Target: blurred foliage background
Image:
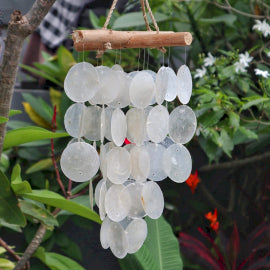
<point>221,218</point>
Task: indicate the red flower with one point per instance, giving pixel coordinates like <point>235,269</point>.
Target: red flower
<point>213,219</point>
<point>193,181</point>
<point>127,141</point>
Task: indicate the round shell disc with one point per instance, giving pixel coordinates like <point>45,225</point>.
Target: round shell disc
<point>122,100</point>
<point>108,87</point>
<point>107,123</point>
<point>73,120</point>
<point>92,123</point>
<point>117,239</point>
<point>157,124</point>
<point>177,163</point>
<point>117,202</point>
<point>140,163</point>
<point>161,85</point>
<point>102,194</point>
<point>118,165</point>
<point>81,82</point>
<point>136,234</point>
<point>153,200</point>
<point>97,191</point>
<point>118,127</point>
<point>136,131</point>
<point>156,152</point>
<point>79,161</point>
<point>182,124</point>
<point>171,84</point>
<point>142,90</point>
<point>184,84</point>
<point>104,231</point>
<point>136,207</point>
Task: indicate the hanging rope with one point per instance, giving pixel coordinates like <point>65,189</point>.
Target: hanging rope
<point>110,14</point>
<point>144,16</point>
<point>152,16</point>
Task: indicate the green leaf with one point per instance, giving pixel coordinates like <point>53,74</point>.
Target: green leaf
<point>65,59</point>
<point>40,165</point>
<point>243,134</point>
<point>135,19</point>
<point>17,185</point>
<point>68,246</point>
<point>38,213</point>
<point>56,261</point>
<point>228,19</point>
<point>258,100</point>
<point>56,200</point>
<point>4,163</point>
<point>234,119</point>
<point>9,209</point>
<point>159,252</point>
<point>225,142</point>
<point>29,134</point>
<point>210,119</point>
<point>6,264</point>
<point>41,74</point>
<point>40,106</point>
<point>14,112</point>
<point>94,19</point>
<point>12,227</point>
<point>3,119</point>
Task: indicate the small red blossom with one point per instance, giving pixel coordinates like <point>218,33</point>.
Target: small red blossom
<point>213,219</point>
<point>127,141</point>
<point>193,181</point>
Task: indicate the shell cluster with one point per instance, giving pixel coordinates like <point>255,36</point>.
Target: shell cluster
<point>112,106</point>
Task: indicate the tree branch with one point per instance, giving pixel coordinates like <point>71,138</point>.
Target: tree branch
<point>36,241</point>
<point>19,28</point>
<point>235,163</point>
<point>9,250</point>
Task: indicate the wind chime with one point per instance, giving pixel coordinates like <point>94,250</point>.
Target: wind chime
<point>128,191</point>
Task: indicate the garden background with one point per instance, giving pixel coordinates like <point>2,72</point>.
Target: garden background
<point>219,218</point>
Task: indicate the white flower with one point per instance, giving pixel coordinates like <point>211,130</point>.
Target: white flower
<point>262,26</point>
<point>200,72</point>
<point>239,67</point>
<point>210,60</point>
<point>245,59</point>
<point>263,73</point>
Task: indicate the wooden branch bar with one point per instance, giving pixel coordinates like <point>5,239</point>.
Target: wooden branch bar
<point>104,39</point>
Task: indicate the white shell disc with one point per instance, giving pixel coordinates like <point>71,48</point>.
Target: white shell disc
<point>104,231</point>
<point>136,131</point>
<point>184,90</point>
<point>142,90</point>
<point>73,120</point>
<point>92,123</point>
<point>136,234</point>
<point>157,124</point>
<point>140,163</point>
<point>81,82</point>
<point>122,100</point>
<point>171,84</point>
<point>135,192</point>
<point>118,127</point>
<point>117,239</point>
<point>118,165</point>
<point>97,191</point>
<point>153,200</point>
<point>177,163</point>
<point>182,124</point>
<point>156,152</point>
<point>79,161</point>
<point>108,87</point>
<point>107,123</point>
<point>161,85</point>
<point>117,202</point>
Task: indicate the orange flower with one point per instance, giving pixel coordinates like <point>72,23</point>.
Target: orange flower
<point>193,181</point>
<point>213,219</point>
